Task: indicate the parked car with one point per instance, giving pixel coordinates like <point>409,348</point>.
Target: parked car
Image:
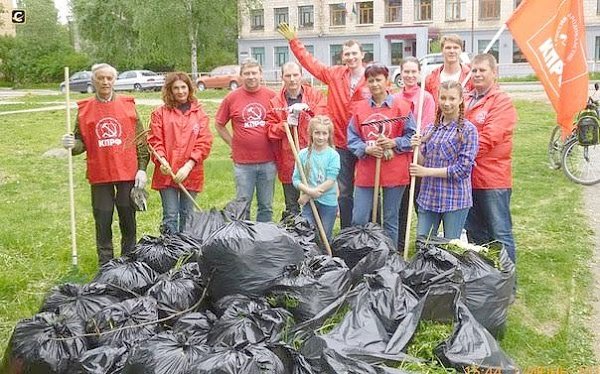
<point>434,61</point>
<point>79,82</point>
<point>227,76</point>
<point>139,80</point>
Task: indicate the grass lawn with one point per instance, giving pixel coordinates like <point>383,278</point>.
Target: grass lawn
<point>546,324</point>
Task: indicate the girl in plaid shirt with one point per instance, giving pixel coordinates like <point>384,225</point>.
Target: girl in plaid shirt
<point>446,158</point>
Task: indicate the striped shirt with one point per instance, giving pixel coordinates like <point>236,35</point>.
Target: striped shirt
<point>445,150</point>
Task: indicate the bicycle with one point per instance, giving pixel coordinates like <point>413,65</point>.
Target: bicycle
<point>555,147</point>
<point>580,156</point>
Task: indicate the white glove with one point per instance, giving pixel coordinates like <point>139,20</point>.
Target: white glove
<point>183,172</point>
<point>140,179</point>
<point>292,118</point>
<point>297,108</point>
<point>68,141</point>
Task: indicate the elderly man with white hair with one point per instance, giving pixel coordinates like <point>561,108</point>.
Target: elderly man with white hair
<point>106,128</point>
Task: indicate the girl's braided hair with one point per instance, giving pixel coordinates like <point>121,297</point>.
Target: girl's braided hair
<point>460,122</point>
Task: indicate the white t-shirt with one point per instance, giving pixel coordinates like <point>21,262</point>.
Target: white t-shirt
<point>449,77</point>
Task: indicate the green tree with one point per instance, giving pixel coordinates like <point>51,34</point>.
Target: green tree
<point>40,49</point>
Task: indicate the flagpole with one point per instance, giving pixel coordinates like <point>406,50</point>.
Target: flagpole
<point>486,50</point>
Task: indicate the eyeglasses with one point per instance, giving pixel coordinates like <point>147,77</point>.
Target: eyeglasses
<point>377,67</point>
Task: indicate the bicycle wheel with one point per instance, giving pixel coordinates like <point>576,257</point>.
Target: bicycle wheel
<point>555,147</point>
<point>580,163</point>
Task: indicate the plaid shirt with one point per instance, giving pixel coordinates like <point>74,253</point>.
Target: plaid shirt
<point>445,150</point>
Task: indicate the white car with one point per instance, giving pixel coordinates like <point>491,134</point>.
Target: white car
<point>434,61</point>
<point>139,80</point>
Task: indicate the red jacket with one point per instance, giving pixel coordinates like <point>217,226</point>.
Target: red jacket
<point>337,78</point>
<point>394,172</point>
<point>108,132</point>
<point>180,137</point>
<point>432,82</point>
<point>284,158</point>
<point>495,117</point>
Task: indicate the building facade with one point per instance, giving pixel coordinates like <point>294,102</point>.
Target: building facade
<point>389,30</point>
<point>6,25</point>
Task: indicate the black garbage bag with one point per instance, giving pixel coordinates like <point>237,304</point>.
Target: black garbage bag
<point>166,353</point>
<point>303,231</point>
<point>251,359</point>
<point>306,290</point>
<point>472,346</point>
<point>103,360</point>
<point>81,300</point>
<point>334,362</point>
<point>379,305</point>
<point>293,362</point>
<point>108,323</point>
<point>363,248</point>
<point>245,257</point>
<point>162,253</point>
<point>130,278</point>
<point>196,326</point>
<point>247,322</point>
<point>178,290</point>
<point>488,290</point>
<point>201,224</point>
<point>34,348</point>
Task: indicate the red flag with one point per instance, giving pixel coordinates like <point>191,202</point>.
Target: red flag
<point>551,35</point>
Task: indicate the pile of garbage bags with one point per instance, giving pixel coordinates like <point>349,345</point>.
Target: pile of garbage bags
<point>234,296</point>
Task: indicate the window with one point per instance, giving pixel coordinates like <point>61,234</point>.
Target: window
<point>517,2</point>
<point>305,16</point>
<point>455,10</point>
<point>310,49</point>
<point>393,11</point>
<point>598,7</point>
<point>489,9</point>
<point>257,19</point>
<point>597,49</point>
<point>518,56</point>
<point>396,49</point>
<point>282,55</point>
<point>365,13</point>
<point>368,50</point>
<point>337,14</point>
<point>335,54</point>
<point>258,53</point>
<point>481,44</point>
<point>423,10</point>
<point>281,15</point>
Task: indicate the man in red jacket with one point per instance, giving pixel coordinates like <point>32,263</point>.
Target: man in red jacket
<point>296,104</point>
<point>451,69</point>
<point>106,127</point>
<point>494,115</point>
<point>346,84</point>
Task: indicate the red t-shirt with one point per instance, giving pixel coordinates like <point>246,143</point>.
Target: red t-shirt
<point>247,111</point>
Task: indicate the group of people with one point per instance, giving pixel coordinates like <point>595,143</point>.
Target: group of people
<point>359,132</point>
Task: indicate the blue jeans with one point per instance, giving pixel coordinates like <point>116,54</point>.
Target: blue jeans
<point>345,181</point>
<point>176,208</point>
<point>490,219</point>
<point>429,223</point>
<point>327,213</point>
<point>261,177</point>
<point>363,204</point>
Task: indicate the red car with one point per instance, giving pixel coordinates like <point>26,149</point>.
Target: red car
<point>227,76</point>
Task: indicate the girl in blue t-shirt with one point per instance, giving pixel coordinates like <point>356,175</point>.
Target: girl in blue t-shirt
<point>321,165</point>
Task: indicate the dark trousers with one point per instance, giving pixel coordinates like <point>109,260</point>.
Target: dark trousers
<point>291,195</point>
<point>346,185</point>
<point>104,199</point>
<point>403,216</point>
